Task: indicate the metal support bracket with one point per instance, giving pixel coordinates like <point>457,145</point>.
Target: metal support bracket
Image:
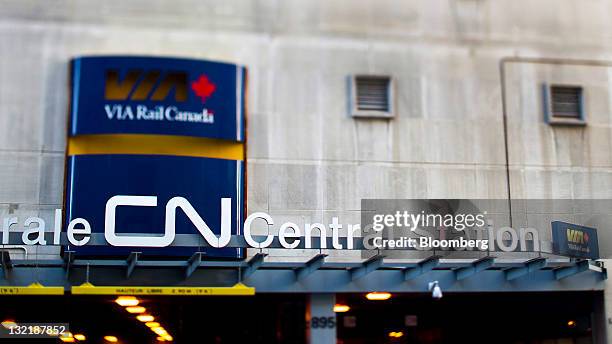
<point>366,267</point>
<point>193,263</point>
<point>312,265</point>
<point>422,267</point>
<point>571,270</point>
<point>132,261</point>
<point>474,268</point>
<point>6,262</point>
<point>68,260</point>
<point>253,264</point>
<point>528,267</point>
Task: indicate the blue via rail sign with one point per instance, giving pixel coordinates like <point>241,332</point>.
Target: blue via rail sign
<point>575,240</point>
<point>147,134</point>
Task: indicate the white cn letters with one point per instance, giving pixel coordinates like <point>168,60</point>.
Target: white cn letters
<point>167,238</point>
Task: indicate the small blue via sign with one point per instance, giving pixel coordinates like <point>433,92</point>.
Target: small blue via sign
<point>575,240</point>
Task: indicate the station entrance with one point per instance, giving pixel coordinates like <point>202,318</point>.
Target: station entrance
<point>512,318</point>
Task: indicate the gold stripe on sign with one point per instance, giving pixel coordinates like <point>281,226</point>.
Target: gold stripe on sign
<point>155,145</point>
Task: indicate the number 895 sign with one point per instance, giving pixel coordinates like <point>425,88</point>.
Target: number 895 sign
<point>322,322</point>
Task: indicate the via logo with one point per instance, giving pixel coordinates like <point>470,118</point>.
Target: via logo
<point>577,236</point>
<point>154,85</point>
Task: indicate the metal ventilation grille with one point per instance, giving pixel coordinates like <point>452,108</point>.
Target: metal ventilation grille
<point>566,101</point>
<point>372,93</point>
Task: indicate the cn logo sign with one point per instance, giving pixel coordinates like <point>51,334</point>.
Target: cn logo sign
<point>170,225</point>
<point>140,85</point>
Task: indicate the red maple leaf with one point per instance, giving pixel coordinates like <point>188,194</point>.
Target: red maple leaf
<point>203,87</point>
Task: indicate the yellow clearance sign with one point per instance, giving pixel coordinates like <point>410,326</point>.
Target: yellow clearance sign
<point>32,289</point>
<point>237,290</point>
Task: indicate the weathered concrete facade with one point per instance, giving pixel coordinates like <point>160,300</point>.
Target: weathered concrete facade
<point>308,159</point>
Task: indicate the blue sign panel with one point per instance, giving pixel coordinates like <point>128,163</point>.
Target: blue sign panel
<point>574,240</point>
<point>158,131</point>
<point>94,179</point>
<point>149,95</point>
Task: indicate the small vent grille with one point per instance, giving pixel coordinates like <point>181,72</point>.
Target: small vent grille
<point>372,93</point>
<point>566,101</point>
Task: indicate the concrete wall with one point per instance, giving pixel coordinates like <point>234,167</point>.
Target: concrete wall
<point>307,159</point>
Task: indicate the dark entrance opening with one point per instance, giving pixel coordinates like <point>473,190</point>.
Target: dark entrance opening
<point>512,318</point>
<point>265,318</point>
